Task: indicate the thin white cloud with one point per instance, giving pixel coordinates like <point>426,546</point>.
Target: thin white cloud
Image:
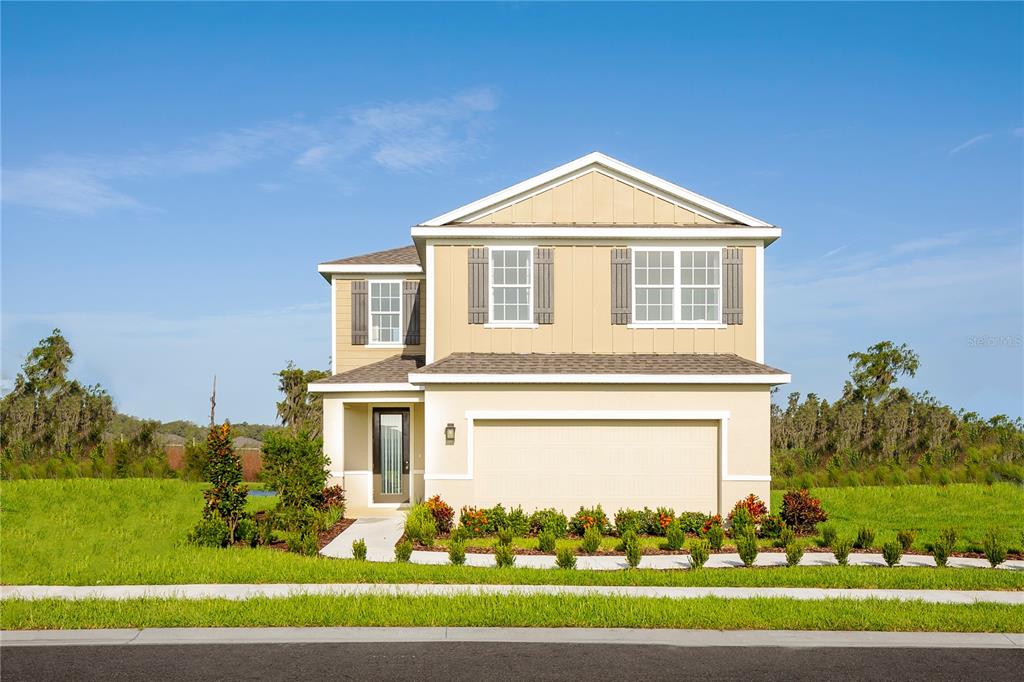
<point>829,254</point>
<point>398,136</point>
<point>967,144</point>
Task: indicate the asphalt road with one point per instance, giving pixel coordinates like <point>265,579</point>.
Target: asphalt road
<point>499,661</point>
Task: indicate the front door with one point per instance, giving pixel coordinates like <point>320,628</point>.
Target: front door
<point>390,454</point>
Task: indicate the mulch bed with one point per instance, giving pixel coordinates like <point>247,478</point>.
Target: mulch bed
<point>325,537</point>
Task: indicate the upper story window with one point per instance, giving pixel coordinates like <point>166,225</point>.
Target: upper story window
<point>511,286</point>
<point>385,312</point>
<point>677,286</point>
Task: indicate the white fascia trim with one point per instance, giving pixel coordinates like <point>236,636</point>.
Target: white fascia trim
<point>361,388</point>
<point>365,268</point>
<point>770,379</point>
<point>767,234</point>
<point>596,159</point>
<point>430,303</point>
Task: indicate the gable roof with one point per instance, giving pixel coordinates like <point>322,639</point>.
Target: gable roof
<point>403,255</point>
<point>712,211</point>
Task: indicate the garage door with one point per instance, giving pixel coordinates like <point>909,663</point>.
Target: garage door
<point>567,464</point>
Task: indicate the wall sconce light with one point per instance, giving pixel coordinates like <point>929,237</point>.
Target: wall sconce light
<point>449,434</point>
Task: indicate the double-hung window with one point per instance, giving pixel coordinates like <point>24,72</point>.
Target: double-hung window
<point>511,286</point>
<point>677,286</point>
<point>385,312</point>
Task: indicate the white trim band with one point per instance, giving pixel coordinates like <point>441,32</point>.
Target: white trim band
<point>367,268</point>
<point>361,388</point>
<point>618,232</point>
<point>768,379</point>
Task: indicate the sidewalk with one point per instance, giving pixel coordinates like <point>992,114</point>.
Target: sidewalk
<point>678,638</point>
<point>379,534</point>
<point>248,591</point>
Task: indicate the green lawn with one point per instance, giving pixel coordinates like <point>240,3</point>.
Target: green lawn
<point>971,508</point>
<point>95,531</point>
<point>516,611</point>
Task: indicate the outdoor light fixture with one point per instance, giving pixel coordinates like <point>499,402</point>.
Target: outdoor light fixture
<point>449,434</point>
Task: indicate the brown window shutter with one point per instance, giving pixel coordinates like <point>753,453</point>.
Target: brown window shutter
<point>360,312</point>
<point>732,286</point>
<point>543,285</point>
<point>622,286</point>
<point>478,285</point>
<point>411,311</point>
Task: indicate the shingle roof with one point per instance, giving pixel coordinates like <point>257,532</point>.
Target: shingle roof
<point>580,363</point>
<point>392,370</point>
<point>403,255</point>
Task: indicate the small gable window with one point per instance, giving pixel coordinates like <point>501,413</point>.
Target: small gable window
<point>511,286</point>
<point>385,312</point>
<point>680,287</point>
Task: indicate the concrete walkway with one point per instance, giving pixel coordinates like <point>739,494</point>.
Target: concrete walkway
<point>728,560</point>
<point>248,591</point>
<point>379,534</point>
<point>660,637</point>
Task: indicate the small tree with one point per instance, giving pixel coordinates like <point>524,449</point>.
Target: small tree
<point>226,497</point>
<point>296,467</point>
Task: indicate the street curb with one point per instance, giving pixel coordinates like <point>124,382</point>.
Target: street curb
<point>677,638</point>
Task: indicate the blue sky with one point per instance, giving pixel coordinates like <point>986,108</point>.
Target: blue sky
<point>173,173</point>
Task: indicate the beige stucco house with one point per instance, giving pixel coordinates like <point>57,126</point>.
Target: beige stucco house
<point>594,334</point>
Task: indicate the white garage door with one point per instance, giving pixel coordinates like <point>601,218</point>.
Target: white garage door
<point>566,464</point>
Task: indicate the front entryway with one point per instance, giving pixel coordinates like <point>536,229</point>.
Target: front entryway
<point>390,454</point>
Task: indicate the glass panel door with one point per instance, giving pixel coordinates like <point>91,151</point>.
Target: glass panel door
<point>391,454</point>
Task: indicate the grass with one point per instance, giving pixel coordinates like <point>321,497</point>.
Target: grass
<point>108,532</point>
<point>516,611</point>
<point>971,508</point>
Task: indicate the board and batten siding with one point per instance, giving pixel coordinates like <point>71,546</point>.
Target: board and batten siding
<point>350,356</point>
<point>593,198</point>
<point>582,323</point>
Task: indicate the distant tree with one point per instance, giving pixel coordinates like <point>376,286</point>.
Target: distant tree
<point>300,410</point>
<point>875,370</point>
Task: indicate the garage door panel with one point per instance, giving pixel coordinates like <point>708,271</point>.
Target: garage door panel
<point>626,463</point>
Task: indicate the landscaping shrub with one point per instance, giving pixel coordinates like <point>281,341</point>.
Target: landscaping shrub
<point>419,525</point>
<point>474,521</point>
<point>518,522</point>
<point>675,537</point>
<point>741,521</point>
<point>692,522</point>
<point>771,526</point>
<point>841,550</point>
<point>403,551</point>
<point>565,558</point>
<point>359,550</point>
<point>546,542</point>
<point>305,542</point>
<point>949,536</point>
<point>264,531</point>
<point>892,552</point>
<point>496,517</point>
<point>801,512</point>
<point>442,512</point>
<point>631,545</point>
<point>226,497</point>
<point>941,552</point>
<point>828,535</point>
<point>591,540</point>
<point>247,531</point>
<point>700,550</point>
<point>746,546</point>
<point>710,521</point>
<point>550,520</point>
<point>333,497</point>
<point>505,536</point>
<point>627,520</point>
<point>794,552</point>
<point>210,532</point>
<point>865,538</point>
<point>296,467</point>
<point>715,537</point>
<point>994,547</point>
<point>664,517</point>
<point>906,539</point>
<point>504,556</point>
<point>459,534</point>
<point>755,507</point>
<point>457,552</point>
<point>786,537</point>
<point>586,518</point>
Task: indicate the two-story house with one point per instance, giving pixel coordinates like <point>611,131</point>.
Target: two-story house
<point>594,334</point>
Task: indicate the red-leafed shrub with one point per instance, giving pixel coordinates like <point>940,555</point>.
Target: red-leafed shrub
<point>474,521</point>
<point>443,514</point>
<point>801,512</point>
<point>585,518</point>
<point>715,520</point>
<point>332,496</point>
<point>754,505</point>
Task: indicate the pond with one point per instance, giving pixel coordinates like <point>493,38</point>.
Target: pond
<point>262,493</point>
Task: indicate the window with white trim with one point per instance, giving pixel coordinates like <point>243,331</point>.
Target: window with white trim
<point>511,286</point>
<point>385,312</point>
<point>677,286</point>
